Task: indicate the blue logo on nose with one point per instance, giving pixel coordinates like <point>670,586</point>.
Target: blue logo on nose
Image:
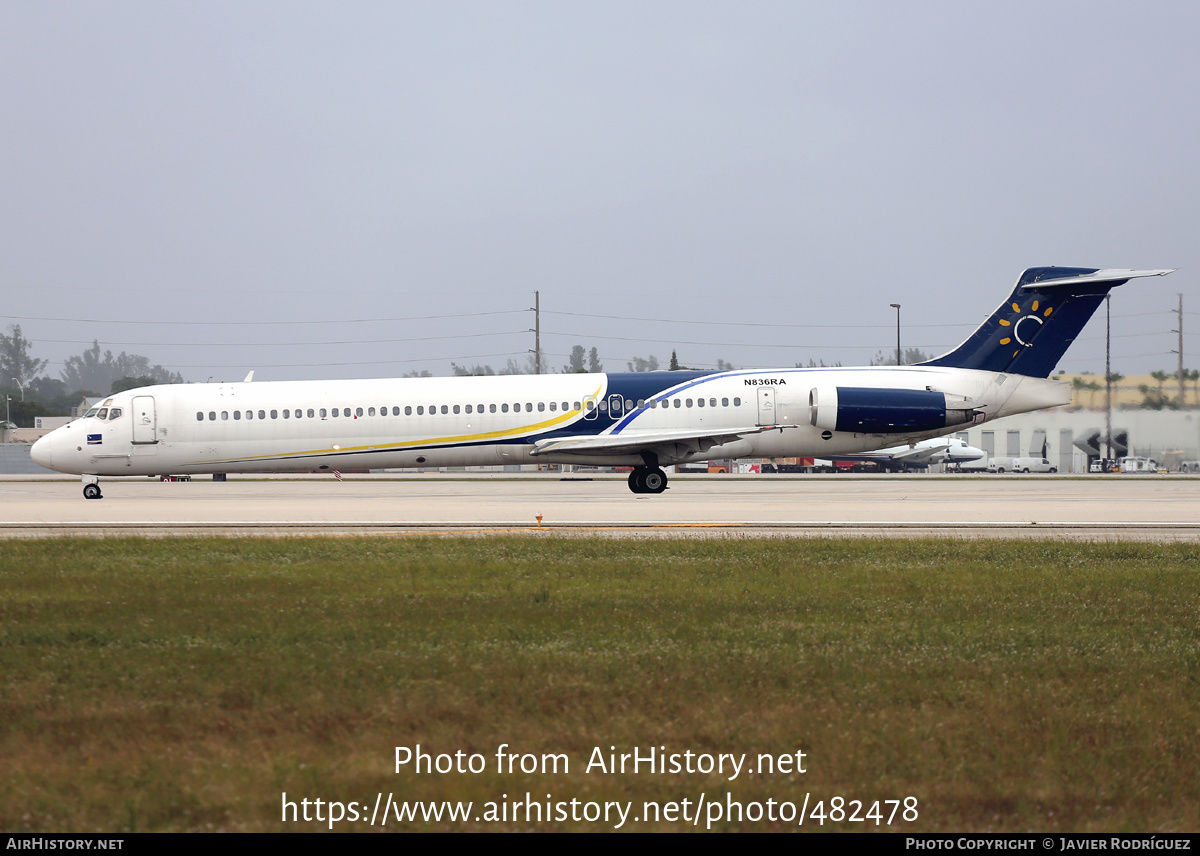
<point>95,439</point>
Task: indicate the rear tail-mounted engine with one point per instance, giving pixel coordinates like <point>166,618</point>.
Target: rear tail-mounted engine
<point>864,410</point>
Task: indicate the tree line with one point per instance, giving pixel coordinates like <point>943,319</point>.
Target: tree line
<point>91,373</point>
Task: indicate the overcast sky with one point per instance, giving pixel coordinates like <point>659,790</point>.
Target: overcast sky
<point>295,187</point>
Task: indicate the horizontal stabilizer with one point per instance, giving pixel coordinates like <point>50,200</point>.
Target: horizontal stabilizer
<point>1109,277</point>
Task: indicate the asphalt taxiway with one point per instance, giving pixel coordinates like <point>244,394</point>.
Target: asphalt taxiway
<point>1152,507</point>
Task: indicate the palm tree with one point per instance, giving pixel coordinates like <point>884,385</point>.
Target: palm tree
<point>1162,377</point>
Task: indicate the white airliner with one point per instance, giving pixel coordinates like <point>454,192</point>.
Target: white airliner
<point>941,450</point>
<point>648,420</point>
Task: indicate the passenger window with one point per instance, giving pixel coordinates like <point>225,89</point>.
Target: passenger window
<point>420,409</point>
<point>237,415</point>
<point>249,414</point>
<point>591,405</point>
<point>712,402</point>
<point>737,402</point>
<point>323,413</point>
<point>604,404</point>
<point>395,411</point>
<point>553,406</point>
<point>199,416</point>
<point>529,407</point>
<point>479,408</point>
<point>577,407</point>
<point>287,414</point>
<point>408,410</point>
<point>491,408</point>
<point>566,406</point>
<point>445,408</point>
<point>678,402</point>
<point>358,411</point>
<point>541,407</point>
<point>504,408</point>
<point>456,409</point>
<point>275,414</point>
<point>371,411</point>
<point>641,405</point>
<point>312,413</point>
<point>699,402</point>
<point>468,408</point>
<point>212,416</point>
<point>724,402</point>
<point>262,414</point>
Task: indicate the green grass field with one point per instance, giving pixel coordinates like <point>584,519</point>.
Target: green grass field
<point>183,684</point>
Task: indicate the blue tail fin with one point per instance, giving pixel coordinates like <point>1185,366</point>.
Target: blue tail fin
<point>1031,330</point>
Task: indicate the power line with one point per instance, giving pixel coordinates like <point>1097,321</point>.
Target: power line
<point>746,323</point>
<point>268,323</point>
<point>305,343</point>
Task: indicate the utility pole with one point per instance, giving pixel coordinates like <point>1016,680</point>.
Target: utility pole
<point>1108,376</point>
<point>896,306</point>
<point>1179,330</point>
<point>537,332</point>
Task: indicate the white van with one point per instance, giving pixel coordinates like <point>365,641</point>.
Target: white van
<point>1033,465</point>
<point>1020,465</point>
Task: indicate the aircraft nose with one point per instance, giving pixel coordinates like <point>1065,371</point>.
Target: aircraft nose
<point>42,451</point>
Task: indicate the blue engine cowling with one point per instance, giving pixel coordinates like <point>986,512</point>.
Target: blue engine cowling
<point>865,410</point>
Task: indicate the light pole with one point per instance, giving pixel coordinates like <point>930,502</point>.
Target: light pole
<point>896,306</point>
<point>7,421</point>
<point>18,383</point>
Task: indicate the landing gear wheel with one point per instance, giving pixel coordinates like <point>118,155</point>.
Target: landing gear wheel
<point>654,481</point>
<point>92,491</point>
<point>647,480</point>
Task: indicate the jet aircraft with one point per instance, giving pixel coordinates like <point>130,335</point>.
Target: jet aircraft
<point>646,420</point>
<point>940,450</point>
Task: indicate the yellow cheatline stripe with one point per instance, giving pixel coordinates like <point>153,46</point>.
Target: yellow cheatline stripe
<point>461,438</point>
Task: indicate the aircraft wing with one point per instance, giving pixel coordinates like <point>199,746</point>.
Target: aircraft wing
<point>920,452</point>
<point>624,444</point>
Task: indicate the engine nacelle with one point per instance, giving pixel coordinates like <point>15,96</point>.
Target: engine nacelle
<point>865,410</point>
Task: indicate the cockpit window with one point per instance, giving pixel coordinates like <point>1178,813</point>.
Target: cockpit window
<point>115,413</point>
<point>91,412</point>
<point>103,413</point>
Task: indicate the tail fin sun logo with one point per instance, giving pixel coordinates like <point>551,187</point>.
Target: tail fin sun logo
<point>1024,338</point>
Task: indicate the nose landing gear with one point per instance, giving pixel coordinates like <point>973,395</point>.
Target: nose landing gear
<point>91,488</point>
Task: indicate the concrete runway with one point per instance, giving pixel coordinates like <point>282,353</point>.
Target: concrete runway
<point>1097,507</point>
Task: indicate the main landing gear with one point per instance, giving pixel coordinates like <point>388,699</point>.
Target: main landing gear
<point>91,488</point>
<point>647,480</point>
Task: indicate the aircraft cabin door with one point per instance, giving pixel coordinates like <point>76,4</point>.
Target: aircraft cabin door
<point>766,405</point>
<point>145,422</point>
